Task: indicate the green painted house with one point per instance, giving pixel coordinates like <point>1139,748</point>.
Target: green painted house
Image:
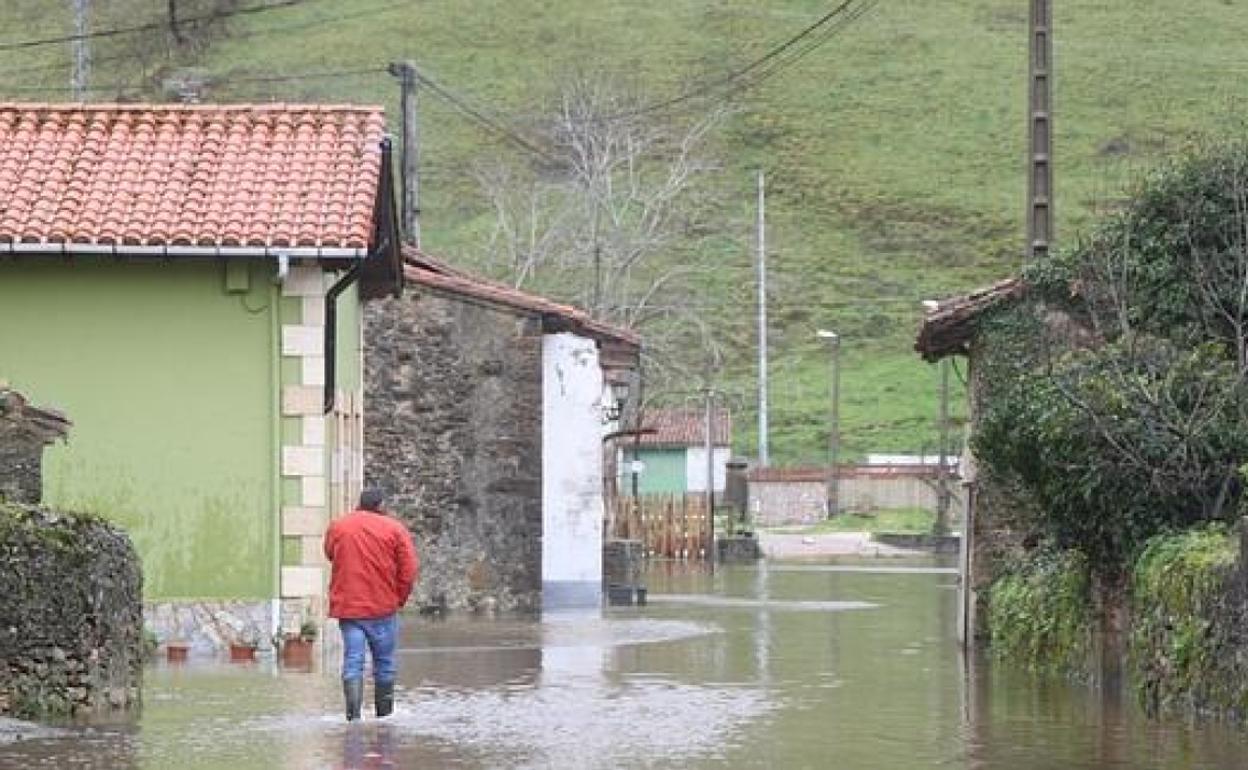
<point>184,282</point>
<point>668,455</point>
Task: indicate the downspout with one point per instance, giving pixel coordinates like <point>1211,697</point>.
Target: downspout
<point>275,428</point>
<point>331,330</point>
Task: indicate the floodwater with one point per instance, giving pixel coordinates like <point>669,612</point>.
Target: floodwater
<point>840,665</point>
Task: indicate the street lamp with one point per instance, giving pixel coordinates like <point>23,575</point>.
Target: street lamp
<point>942,472</point>
<point>834,433</point>
<point>613,411</point>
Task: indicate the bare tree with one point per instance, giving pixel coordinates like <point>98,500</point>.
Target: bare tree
<point>599,223</point>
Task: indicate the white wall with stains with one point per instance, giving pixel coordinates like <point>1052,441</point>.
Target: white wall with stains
<point>572,505</point>
<point>695,467</point>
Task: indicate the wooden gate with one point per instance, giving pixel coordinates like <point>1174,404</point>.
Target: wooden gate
<point>668,526</point>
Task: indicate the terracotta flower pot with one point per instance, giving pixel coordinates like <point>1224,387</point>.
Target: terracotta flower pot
<point>297,652</point>
<point>176,652</point>
<point>242,653</point>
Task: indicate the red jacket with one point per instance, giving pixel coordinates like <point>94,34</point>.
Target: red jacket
<point>375,565</point>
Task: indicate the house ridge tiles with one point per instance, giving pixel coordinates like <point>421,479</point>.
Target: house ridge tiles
<point>255,175</point>
<point>684,428</point>
<point>423,270</point>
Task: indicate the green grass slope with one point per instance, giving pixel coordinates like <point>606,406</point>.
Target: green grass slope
<point>894,153</point>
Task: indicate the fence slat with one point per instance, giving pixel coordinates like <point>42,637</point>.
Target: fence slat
<point>668,526</point>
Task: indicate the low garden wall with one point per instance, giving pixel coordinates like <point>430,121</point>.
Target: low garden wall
<point>72,638</point>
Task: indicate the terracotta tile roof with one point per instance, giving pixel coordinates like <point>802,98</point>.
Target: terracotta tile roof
<point>423,270</point>
<point>821,474</point>
<point>273,175</point>
<point>685,427</point>
<point>948,328</point>
<point>789,475</point>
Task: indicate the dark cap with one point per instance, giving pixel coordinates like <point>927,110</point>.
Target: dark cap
<point>371,499</point>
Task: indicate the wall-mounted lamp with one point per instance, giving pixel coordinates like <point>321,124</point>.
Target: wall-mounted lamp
<point>619,397</point>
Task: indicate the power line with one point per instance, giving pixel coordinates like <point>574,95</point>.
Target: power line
<point>149,26</point>
<point>842,22</point>
<point>117,87</point>
<point>492,124</point>
<point>280,28</point>
<point>851,9</point>
<point>329,75</point>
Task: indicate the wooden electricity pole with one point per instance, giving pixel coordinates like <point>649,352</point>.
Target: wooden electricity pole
<point>1040,230</point>
<point>409,154</point>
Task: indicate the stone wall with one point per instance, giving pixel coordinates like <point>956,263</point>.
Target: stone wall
<point>71,598</point>
<point>210,627</point>
<point>453,436</point>
<point>24,431</point>
<point>1001,515</point>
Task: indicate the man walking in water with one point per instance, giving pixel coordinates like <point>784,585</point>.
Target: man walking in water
<point>374,568</point>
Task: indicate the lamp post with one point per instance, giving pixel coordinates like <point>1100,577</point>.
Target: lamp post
<point>943,494</point>
<point>834,432</point>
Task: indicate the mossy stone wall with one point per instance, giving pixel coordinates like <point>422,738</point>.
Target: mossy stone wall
<point>71,591</point>
<point>1189,622</point>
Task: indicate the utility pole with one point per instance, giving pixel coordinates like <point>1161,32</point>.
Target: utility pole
<point>409,155</point>
<point>763,458</point>
<point>82,53</point>
<point>942,490</point>
<point>709,445</point>
<point>1040,230</point>
<point>834,427</point>
<point>178,37</point>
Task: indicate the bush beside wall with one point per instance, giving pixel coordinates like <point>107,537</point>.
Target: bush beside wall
<point>71,593</point>
<point>1040,613</point>
<point>1189,634</point>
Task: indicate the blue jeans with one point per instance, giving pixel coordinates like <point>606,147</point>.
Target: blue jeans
<point>381,636</point>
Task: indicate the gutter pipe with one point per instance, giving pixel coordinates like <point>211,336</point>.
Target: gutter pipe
<point>125,250</point>
<point>331,330</point>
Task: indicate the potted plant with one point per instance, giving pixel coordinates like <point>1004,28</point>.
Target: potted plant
<point>177,649</point>
<point>243,649</point>
<point>297,647</point>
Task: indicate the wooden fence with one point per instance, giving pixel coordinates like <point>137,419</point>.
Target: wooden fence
<point>668,526</point>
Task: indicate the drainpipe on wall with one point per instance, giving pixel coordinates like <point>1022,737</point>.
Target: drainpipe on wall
<point>283,268</point>
<point>331,330</point>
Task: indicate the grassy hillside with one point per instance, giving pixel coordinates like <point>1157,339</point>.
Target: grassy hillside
<point>894,153</point>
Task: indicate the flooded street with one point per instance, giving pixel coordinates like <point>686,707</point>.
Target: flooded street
<point>849,665</point>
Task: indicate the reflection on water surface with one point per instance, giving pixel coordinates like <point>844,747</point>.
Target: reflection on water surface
<point>783,666</point>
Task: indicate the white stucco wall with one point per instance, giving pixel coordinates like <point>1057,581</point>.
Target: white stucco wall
<point>572,505</point>
<point>695,467</point>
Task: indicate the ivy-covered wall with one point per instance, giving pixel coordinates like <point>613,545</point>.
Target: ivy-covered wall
<point>1187,620</point>
<point>1189,636</point>
<point>71,594</point>
<point>1040,613</point>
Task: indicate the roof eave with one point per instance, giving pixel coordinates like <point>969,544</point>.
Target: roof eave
<point>949,328</point>
<point>175,250</point>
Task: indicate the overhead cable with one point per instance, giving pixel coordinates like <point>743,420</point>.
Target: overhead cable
<point>149,26</point>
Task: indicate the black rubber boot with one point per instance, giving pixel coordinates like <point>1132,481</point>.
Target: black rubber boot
<point>383,699</point>
<point>353,691</point>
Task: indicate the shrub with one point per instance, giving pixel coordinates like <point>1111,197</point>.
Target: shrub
<point>1039,613</point>
<point>1187,638</point>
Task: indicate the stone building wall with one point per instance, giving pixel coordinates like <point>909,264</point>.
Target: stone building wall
<point>1001,515</point>
<point>453,437</point>
<point>71,598</point>
<point>24,431</point>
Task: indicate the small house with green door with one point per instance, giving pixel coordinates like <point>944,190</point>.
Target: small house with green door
<point>185,282</point>
<point>668,455</point>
